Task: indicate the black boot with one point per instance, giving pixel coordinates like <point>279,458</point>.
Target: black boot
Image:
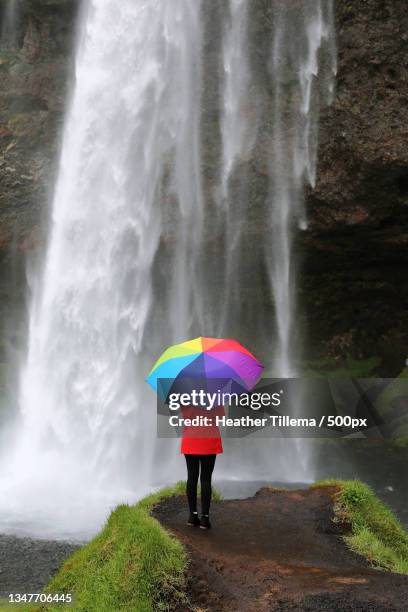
<point>205,522</point>
<point>193,520</point>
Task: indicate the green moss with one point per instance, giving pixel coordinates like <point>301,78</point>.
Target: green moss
<point>351,368</point>
<point>400,443</point>
<point>7,56</point>
<point>376,533</point>
<point>386,406</point>
<point>132,564</point>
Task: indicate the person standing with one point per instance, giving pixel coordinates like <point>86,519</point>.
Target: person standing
<point>200,446</point>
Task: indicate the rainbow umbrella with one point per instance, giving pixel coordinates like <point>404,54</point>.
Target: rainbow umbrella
<point>205,359</point>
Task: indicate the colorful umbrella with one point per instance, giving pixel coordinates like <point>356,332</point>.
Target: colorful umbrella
<point>205,359</point>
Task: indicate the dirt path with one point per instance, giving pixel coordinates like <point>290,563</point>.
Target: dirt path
<point>279,551</point>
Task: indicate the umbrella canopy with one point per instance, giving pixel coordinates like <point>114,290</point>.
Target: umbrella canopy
<point>205,359</point>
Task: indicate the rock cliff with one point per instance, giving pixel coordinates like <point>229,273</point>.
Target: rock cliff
<point>356,253</point>
<point>353,289</point>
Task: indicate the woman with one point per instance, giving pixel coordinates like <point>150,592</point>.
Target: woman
<point>200,445</point>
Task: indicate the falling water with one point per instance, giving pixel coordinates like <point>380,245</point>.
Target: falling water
<point>300,31</point>
<point>132,120</point>
<point>236,126</point>
<point>300,79</point>
<point>136,258</point>
<point>9,18</point>
<point>302,69</point>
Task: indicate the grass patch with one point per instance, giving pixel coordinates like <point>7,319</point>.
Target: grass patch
<point>132,564</point>
<point>376,532</point>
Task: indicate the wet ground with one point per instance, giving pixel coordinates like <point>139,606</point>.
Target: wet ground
<point>279,551</point>
<point>275,551</point>
<point>392,491</point>
<point>27,564</point>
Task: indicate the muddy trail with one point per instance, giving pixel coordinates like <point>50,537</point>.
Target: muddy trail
<point>279,550</point>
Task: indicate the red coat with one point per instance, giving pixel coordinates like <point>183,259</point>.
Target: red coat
<point>201,439</point>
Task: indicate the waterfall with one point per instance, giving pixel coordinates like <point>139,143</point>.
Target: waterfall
<point>299,80</point>
<point>9,18</point>
<point>299,33</point>
<point>132,121</point>
<point>302,69</point>
<point>149,244</point>
<point>236,127</point>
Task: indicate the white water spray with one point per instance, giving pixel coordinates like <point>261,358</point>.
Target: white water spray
<point>128,270</point>
<point>85,410</point>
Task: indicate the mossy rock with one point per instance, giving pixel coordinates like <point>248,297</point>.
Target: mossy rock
<point>350,368</point>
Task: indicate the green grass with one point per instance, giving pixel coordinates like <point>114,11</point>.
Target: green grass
<point>375,532</point>
<point>133,564</point>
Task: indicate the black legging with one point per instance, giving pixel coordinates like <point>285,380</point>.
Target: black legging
<point>207,463</point>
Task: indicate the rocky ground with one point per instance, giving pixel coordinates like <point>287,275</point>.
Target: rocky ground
<point>278,551</point>
<point>26,564</point>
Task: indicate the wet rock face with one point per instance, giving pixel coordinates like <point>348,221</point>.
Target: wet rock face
<point>354,287</point>
<point>363,165</point>
<point>33,75</point>
<point>35,53</point>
